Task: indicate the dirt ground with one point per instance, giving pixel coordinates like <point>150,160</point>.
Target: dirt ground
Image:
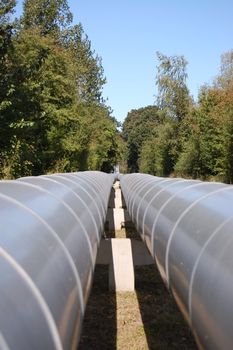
<point>145,319</point>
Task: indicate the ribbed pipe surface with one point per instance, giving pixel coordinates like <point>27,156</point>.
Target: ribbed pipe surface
<point>50,230</point>
<point>187,226</point>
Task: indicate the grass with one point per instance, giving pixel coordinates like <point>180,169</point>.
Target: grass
<point>145,319</point>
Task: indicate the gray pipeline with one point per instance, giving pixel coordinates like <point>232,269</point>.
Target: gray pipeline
<point>50,229</point>
<point>187,226</point>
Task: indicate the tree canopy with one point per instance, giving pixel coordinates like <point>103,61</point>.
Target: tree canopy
<point>137,128</point>
<point>189,139</point>
<point>173,94</point>
<point>49,16</point>
<point>52,114</point>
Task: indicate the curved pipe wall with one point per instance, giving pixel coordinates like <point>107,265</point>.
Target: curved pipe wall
<point>50,230</point>
<point>188,227</point>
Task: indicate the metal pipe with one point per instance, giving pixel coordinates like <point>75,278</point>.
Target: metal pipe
<point>187,226</point>
<point>50,229</point>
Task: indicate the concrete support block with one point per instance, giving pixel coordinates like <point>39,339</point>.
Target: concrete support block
<point>116,200</point>
<point>122,254</point>
<point>140,253</point>
<point>121,270</point>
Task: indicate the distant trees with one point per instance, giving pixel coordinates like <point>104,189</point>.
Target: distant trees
<point>190,140</point>
<point>137,128</point>
<point>53,117</point>
<point>161,147</point>
<point>173,95</point>
<point>52,114</point>
<point>224,80</point>
<point>207,146</point>
<point>153,132</point>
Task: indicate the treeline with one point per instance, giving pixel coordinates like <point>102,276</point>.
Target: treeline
<point>178,137</point>
<point>52,114</point>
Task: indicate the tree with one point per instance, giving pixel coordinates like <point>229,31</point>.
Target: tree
<point>6,29</point>
<point>6,49</point>
<point>36,70</point>
<point>173,94</point>
<point>103,145</point>
<point>137,128</point>
<point>88,66</point>
<point>52,114</point>
<point>221,115</point>
<point>225,79</point>
<point>157,153</point>
<point>197,158</point>
<point>6,8</point>
<point>49,15</point>
<point>208,142</point>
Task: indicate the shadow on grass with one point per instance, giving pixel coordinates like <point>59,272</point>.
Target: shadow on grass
<point>164,325</point>
<point>100,326</point>
<point>100,322</point>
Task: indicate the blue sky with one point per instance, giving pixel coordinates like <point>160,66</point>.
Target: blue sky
<point>127,34</point>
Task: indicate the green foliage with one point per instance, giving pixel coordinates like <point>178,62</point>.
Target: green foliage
<point>194,141</point>
<point>157,154</point>
<point>173,95</point>
<point>224,80</point>
<point>207,147</point>
<point>6,49</point>
<point>49,16</point>
<point>122,153</point>
<point>6,29</point>
<point>6,9</point>
<point>158,147</point>
<point>52,115</point>
<point>137,128</point>
<point>102,153</point>
<point>88,66</point>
